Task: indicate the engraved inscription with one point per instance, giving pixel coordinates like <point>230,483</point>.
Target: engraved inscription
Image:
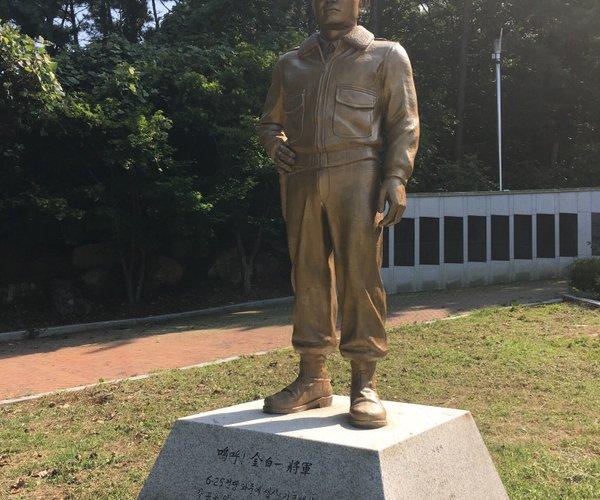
<point>229,488</point>
<point>301,468</point>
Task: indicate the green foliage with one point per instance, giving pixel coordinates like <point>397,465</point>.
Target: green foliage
<point>146,134</point>
<point>29,94</point>
<point>108,172</point>
<point>264,23</point>
<point>36,18</point>
<point>550,74</point>
<point>133,190</point>
<point>29,85</point>
<point>584,276</point>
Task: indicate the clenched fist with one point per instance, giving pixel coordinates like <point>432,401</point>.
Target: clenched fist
<point>284,158</point>
<point>394,192</point>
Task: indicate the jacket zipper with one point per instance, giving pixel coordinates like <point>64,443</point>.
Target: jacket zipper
<point>321,101</point>
<point>318,123</point>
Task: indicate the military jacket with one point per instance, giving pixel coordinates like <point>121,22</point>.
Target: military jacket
<point>358,104</point>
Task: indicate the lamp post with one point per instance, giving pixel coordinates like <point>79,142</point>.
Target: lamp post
<point>497,57</point>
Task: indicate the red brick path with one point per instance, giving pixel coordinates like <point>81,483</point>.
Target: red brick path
<point>42,365</point>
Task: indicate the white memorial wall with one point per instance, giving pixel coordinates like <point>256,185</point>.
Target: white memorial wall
<point>448,240</point>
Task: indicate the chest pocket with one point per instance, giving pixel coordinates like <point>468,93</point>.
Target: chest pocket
<point>293,107</point>
<point>353,116</point>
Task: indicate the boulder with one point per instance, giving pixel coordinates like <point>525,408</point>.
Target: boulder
<point>67,300</point>
<point>227,267</point>
<point>99,283</point>
<point>19,292</point>
<point>44,267</point>
<point>164,272</point>
<point>95,255</point>
<point>269,267</point>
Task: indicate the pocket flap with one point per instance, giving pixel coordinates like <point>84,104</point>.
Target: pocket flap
<point>355,98</point>
<point>293,102</point>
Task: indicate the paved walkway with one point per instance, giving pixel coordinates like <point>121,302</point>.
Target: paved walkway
<point>41,365</point>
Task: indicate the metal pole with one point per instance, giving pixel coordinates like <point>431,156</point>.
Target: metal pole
<point>499,99</point>
<point>497,56</point>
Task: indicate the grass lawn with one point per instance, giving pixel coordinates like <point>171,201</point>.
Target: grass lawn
<point>530,376</point>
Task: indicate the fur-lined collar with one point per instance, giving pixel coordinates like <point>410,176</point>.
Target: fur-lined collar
<point>360,38</point>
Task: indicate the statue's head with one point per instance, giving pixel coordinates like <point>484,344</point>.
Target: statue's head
<point>337,14</point>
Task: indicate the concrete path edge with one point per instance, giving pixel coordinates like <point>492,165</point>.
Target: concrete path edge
<point>129,322</point>
<point>582,301</point>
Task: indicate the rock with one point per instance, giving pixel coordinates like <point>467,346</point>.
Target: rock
<point>268,267</point>
<point>47,267</point>
<point>227,267</point>
<point>12,269</point>
<point>95,255</point>
<point>39,269</point>
<point>164,272</point>
<point>67,300</point>
<point>99,283</point>
<point>20,292</point>
<point>236,452</point>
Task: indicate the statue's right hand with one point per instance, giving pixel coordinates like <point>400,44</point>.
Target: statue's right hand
<point>284,158</point>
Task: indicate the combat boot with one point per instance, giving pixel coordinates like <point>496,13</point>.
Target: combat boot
<point>366,410</point>
<point>311,389</point>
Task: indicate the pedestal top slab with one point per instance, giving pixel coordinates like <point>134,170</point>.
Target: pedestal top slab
<point>330,425</point>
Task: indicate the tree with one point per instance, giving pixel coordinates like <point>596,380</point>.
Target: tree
<point>70,6</point>
<point>29,93</point>
<point>376,13</point>
<point>462,80</point>
<point>45,18</point>
<point>123,17</point>
<point>214,106</point>
<point>155,15</point>
<point>148,134</point>
<point>132,190</point>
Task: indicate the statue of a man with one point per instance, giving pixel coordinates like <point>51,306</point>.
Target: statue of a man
<point>341,124</point>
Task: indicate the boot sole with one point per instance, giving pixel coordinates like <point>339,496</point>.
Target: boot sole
<point>317,403</point>
<point>368,424</point>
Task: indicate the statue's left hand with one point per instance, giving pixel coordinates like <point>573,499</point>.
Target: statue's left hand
<point>394,192</point>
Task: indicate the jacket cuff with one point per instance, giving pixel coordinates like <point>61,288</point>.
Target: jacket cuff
<point>402,179</point>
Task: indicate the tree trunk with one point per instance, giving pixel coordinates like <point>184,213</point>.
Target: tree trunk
<point>134,271</point>
<point>248,259</point>
<point>376,15</point>
<point>141,277</point>
<point>133,260</point>
<point>248,271</point>
<point>73,19</point>
<point>128,275</point>
<point>462,81</point>
<point>310,16</point>
<point>245,267</point>
<point>155,14</point>
<point>554,154</point>
<point>105,18</point>
<point>109,19</point>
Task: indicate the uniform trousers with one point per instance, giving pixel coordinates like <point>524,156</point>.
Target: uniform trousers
<point>335,246</point>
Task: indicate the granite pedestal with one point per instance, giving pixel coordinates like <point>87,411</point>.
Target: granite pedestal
<point>240,452</point>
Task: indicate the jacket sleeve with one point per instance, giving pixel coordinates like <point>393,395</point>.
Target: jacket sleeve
<point>401,115</point>
<point>271,123</point>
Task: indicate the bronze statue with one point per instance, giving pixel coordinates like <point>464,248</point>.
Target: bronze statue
<point>341,124</point>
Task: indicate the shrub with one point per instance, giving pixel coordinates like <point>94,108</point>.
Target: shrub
<point>584,276</point>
